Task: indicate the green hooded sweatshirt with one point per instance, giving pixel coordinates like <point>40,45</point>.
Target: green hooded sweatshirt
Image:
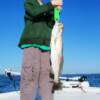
<point>39,21</point>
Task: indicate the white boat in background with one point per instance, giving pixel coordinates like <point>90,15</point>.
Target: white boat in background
<point>74,82</point>
<point>9,71</point>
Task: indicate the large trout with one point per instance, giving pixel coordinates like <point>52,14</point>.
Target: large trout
<point>57,50</point>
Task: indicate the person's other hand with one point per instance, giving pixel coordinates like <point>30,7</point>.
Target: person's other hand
<point>57,2</point>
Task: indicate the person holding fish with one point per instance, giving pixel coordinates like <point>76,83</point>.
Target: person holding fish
<point>35,43</point>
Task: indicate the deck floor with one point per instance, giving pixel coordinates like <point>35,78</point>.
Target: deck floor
<point>67,94</point>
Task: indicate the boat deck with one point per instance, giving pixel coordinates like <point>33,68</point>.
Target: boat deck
<point>78,94</point>
<point>65,94</point>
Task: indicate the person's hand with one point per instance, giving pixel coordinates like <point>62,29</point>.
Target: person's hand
<point>57,2</point>
<point>59,7</point>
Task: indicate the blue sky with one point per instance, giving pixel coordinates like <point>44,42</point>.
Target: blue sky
<point>81,36</point>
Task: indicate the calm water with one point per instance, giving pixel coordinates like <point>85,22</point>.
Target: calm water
<point>6,85</point>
